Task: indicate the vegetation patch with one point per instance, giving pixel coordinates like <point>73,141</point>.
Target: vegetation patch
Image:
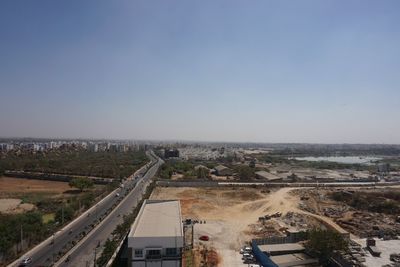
<point>387,201</point>
<point>81,162</point>
<point>48,218</point>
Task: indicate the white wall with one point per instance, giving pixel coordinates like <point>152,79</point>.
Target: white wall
<point>164,242</point>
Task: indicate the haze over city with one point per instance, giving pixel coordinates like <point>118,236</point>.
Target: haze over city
<point>259,71</point>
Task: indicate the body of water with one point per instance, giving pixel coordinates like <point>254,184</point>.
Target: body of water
<point>347,159</point>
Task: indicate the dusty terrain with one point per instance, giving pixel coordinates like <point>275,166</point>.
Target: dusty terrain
<point>232,215</point>
<point>12,205</point>
<point>20,185</point>
<point>11,189</point>
<point>360,223</point>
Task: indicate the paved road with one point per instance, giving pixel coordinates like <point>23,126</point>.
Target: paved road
<point>47,253</point>
<point>83,254</point>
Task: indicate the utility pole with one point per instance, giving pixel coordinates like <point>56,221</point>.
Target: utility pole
<point>94,261</point>
<point>22,239</point>
<point>62,215</point>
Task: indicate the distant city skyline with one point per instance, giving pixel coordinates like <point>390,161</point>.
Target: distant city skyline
<point>234,71</point>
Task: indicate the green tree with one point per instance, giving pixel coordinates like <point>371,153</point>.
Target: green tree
<point>324,243</point>
<point>81,183</point>
<point>64,214</point>
<point>109,247</point>
<point>201,173</point>
<point>245,172</point>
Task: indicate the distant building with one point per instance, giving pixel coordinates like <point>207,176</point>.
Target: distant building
<point>156,236</point>
<point>6,147</point>
<point>221,170</point>
<point>263,175</point>
<point>171,153</point>
<point>93,147</point>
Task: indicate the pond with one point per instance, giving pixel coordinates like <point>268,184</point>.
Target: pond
<point>346,159</point>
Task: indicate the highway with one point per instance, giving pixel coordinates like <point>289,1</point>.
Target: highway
<point>84,253</point>
<point>49,251</point>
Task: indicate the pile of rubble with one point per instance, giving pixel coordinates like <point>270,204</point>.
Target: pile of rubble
<point>265,229</point>
<point>335,212</point>
<point>298,221</point>
<point>354,256</point>
<point>270,216</point>
<point>371,225</point>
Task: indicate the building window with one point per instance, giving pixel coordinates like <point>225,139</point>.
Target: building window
<point>138,253</point>
<point>171,251</point>
<point>154,252</point>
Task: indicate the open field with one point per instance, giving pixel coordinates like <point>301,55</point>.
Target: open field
<point>21,185</point>
<point>231,215</point>
<point>16,192</point>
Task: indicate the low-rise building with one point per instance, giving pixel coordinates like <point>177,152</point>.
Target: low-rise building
<point>156,236</point>
<point>263,175</point>
<point>221,170</point>
<point>171,153</point>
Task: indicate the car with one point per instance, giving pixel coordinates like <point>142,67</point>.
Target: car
<point>247,256</point>
<point>247,249</point>
<point>249,261</point>
<point>204,238</point>
<point>26,261</point>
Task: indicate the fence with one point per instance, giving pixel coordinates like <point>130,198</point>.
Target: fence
<point>291,238</point>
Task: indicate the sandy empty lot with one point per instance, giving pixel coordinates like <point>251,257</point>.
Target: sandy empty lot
<point>229,212</point>
<point>19,185</point>
<point>12,205</point>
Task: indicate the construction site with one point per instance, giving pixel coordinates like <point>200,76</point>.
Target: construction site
<point>230,217</point>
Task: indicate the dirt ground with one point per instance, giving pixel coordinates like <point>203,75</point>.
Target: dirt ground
<point>11,190</point>
<point>231,213</point>
<point>12,205</point>
<point>359,223</point>
<point>20,185</point>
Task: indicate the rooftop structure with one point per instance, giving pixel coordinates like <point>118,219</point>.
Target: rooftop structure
<point>267,176</point>
<point>156,236</point>
<point>148,222</point>
<point>281,249</point>
<point>223,171</point>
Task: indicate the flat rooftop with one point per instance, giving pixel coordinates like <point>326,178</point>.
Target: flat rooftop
<point>268,176</point>
<point>282,247</point>
<point>295,259</point>
<point>158,218</point>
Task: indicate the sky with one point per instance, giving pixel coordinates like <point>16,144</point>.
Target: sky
<point>209,70</point>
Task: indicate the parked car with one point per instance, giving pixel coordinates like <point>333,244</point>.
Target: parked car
<point>204,238</point>
<point>247,256</point>
<point>245,250</point>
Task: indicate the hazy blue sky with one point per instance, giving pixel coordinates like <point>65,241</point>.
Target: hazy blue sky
<point>271,71</point>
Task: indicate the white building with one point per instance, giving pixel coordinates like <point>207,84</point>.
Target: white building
<point>156,236</point>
